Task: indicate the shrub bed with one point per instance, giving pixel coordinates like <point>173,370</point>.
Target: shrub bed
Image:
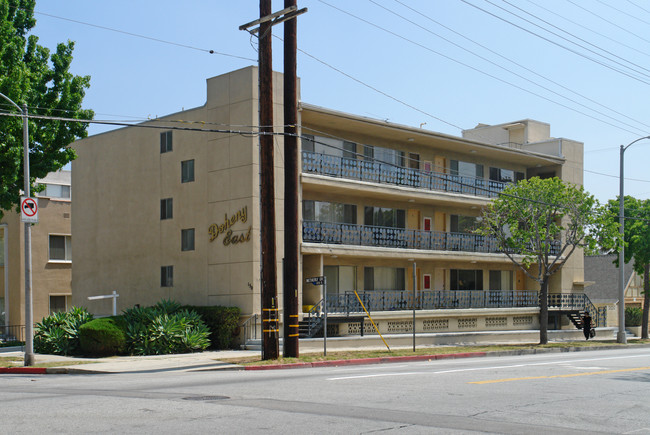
<point>633,316</point>
<point>58,333</point>
<point>164,328</point>
<point>223,323</point>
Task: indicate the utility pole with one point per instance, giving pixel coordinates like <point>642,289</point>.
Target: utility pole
<point>270,327</point>
<point>291,257</point>
<point>269,296</point>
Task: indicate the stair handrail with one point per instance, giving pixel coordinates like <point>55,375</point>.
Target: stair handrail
<point>250,325</point>
<point>314,317</point>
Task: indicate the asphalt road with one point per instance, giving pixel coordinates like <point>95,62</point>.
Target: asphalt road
<point>584,392</point>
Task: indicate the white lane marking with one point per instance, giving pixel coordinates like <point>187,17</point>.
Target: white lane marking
<point>438,372</point>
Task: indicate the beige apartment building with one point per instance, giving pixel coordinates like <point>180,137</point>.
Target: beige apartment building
<point>51,257</point>
<point>163,212</point>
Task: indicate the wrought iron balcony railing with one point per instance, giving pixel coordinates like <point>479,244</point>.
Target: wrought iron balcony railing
<point>366,235</point>
<point>385,173</point>
<point>394,300</point>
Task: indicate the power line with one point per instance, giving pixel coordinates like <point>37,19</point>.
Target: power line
<point>623,12</point>
<point>576,37</point>
<point>607,21</point>
<point>553,42</point>
<point>467,66</point>
<point>136,35</point>
<point>575,23</point>
<point>616,176</point>
<point>513,62</point>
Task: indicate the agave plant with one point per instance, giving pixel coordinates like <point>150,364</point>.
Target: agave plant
<point>59,333</point>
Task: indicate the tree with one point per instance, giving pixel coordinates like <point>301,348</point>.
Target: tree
<point>542,222</point>
<point>29,75</point>
<point>637,244</point>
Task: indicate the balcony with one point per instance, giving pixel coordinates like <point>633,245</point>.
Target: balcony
<point>365,235</point>
<point>385,237</point>
<point>384,173</point>
<point>395,300</point>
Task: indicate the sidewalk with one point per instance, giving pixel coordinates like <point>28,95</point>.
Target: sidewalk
<point>211,360</point>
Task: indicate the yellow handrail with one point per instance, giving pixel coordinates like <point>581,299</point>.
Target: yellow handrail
<point>371,321</point>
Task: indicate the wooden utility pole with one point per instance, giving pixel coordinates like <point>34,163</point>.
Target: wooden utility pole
<point>291,257</point>
<point>269,296</point>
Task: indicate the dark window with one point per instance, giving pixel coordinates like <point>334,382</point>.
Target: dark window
<point>385,217</point>
<point>57,304</point>
<point>506,175</point>
<point>307,142</point>
<point>167,276</point>
<point>349,150</point>
<point>187,239</point>
<point>329,212</point>
<point>165,142</point>
<point>544,175</point>
<point>465,169</point>
<point>187,171</point>
<point>61,248</point>
<point>166,208</point>
<point>463,279</point>
<point>462,224</point>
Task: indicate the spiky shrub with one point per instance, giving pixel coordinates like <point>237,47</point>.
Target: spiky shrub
<point>164,328</point>
<point>633,316</point>
<point>59,333</point>
<point>102,337</point>
<point>223,323</point>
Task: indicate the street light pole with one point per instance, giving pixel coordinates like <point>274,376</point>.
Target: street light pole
<point>621,337</point>
<point>29,323</point>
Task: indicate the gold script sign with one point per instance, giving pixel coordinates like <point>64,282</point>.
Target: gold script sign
<point>225,228</point>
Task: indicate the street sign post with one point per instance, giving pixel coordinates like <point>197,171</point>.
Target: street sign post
<point>322,280</point>
<point>29,210</point>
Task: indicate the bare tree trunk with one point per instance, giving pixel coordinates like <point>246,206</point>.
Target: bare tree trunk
<point>646,301</point>
<point>543,312</point>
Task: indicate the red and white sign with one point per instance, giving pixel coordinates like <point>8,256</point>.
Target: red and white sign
<point>29,209</point>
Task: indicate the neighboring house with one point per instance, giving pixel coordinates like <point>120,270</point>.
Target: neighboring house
<point>175,214</point>
<point>602,274</point>
<point>51,255</point>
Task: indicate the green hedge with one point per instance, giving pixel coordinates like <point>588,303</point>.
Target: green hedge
<point>102,337</point>
<point>223,323</point>
<point>633,316</point>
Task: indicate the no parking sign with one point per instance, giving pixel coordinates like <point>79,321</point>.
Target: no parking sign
<point>29,209</point>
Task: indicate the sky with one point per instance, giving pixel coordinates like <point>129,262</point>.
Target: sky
<point>446,65</point>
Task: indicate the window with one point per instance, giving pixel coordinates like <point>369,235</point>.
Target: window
<point>462,279</point>
<point>60,248</point>
<point>384,278</point>
<point>500,280</point>
<point>329,212</point>
<point>340,278</point>
<point>506,175</point>
<point>426,282</point>
<point>166,208</point>
<point>187,171</point>
<point>462,224</point>
<point>385,217</point>
<point>58,304</point>
<point>187,239</point>
<point>57,191</point>
<point>165,142</point>
<point>383,155</point>
<point>167,276</point>
<point>465,169</point>
<point>330,146</point>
